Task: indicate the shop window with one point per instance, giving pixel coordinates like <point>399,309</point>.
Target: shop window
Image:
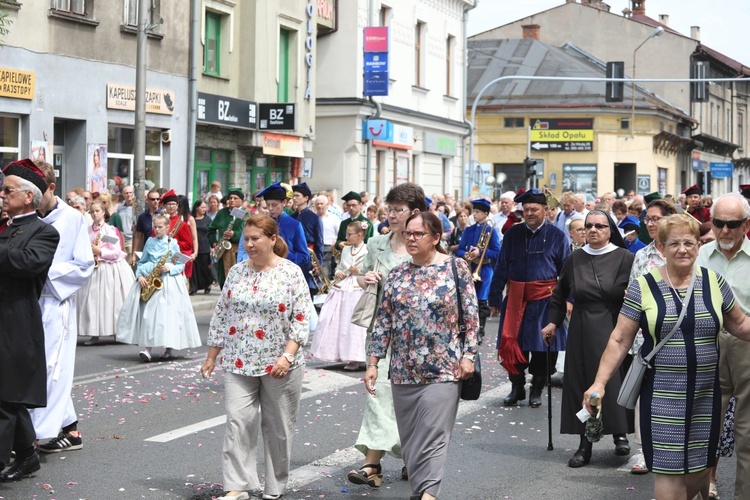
<point>10,140</point>
<point>70,6</point>
<point>514,122</point>
<point>130,17</point>
<point>282,91</point>
<point>120,158</point>
<point>212,52</point>
<point>210,165</point>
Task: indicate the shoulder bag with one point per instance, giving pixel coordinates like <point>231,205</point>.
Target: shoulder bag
<point>631,384</point>
<point>472,386</point>
<point>364,310</point>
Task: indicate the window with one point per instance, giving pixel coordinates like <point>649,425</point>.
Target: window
<point>130,12</point>
<point>514,122</point>
<point>120,149</point>
<point>212,50</point>
<point>741,130</point>
<point>384,17</point>
<point>624,123</point>
<point>419,34</point>
<point>70,6</point>
<point>450,44</point>
<point>282,90</point>
<point>10,139</point>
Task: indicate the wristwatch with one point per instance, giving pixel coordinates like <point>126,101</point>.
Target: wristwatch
<point>289,357</point>
<point>470,357</point>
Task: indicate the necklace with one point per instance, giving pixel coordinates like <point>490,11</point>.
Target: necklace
<point>359,249</point>
<point>682,301</point>
<point>669,280</point>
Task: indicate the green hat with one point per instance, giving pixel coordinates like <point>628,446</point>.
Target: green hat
<point>652,196</point>
<point>237,192</point>
<point>352,195</point>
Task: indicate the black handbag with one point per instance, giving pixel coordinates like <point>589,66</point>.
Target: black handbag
<point>472,386</point>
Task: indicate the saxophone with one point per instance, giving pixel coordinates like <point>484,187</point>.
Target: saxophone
<point>95,243</point>
<point>153,281</point>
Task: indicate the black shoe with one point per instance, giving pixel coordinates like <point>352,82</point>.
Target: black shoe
<point>535,396</point>
<point>21,468</point>
<point>557,379</point>
<point>622,446</point>
<point>580,458</point>
<point>517,393</point>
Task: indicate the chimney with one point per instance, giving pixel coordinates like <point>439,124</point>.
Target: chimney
<point>531,31</point>
<point>638,7</point>
<point>571,1</point>
<point>664,19</point>
<point>695,33</point>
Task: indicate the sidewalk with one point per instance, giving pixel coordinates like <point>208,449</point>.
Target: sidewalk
<point>205,303</point>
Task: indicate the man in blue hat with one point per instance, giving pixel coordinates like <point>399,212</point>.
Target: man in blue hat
<point>478,239</point>
<point>225,227</point>
<point>276,196</point>
<point>530,261</point>
<point>311,224</point>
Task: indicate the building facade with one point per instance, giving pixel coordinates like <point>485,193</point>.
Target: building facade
<point>719,138</point>
<point>419,133</point>
<point>67,91</point>
<point>256,90</point>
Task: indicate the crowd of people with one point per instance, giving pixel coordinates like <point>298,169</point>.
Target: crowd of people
<point>581,286</point>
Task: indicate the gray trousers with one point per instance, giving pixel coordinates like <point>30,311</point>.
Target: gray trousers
<point>244,397</point>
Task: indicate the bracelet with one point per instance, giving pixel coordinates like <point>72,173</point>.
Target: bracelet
<point>372,364</point>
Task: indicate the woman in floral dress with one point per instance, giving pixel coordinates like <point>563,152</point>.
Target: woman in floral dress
<point>418,320</point>
<point>259,326</point>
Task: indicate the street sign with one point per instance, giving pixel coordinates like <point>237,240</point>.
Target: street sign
<point>721,170</point>
<point>376,84</point>
<point>573,134</point>
<point>224,110</point>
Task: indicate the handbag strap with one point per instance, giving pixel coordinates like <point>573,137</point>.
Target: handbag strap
<point>461,325</point>
<point>685,306</point>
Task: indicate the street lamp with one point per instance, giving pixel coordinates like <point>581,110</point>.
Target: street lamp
<point>495,182</point>
<point>657,32</point>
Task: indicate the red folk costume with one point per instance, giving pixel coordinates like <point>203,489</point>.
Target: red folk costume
<point>184,235</point>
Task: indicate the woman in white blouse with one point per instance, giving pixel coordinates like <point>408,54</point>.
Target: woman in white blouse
<point>259,326</point>
<point>336,337</point>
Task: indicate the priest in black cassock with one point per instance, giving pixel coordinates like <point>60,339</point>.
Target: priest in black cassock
<point>531,258</point>
<point>27,247</point>
<point>596,278</point>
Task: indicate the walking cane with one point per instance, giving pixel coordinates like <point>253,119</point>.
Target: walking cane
<point>549,394</point>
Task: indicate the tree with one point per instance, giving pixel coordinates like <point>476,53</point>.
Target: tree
<point>5,22</point>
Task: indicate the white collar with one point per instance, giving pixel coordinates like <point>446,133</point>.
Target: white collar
<point>611,247</point>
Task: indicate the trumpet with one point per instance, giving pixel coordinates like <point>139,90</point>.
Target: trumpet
<point>552,201</point>
<point>482,243</point>
<point>319,277</point>
<point>336,252</point>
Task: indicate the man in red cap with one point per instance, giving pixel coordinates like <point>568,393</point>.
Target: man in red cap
<point>695,204</point>
<point>27,247</point>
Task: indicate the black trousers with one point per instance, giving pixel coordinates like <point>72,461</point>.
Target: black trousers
<point>16,430</point>
<point>537,365</point>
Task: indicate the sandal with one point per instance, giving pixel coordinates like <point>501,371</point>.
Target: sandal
<point>404,474</point>
<point>713,491</point>
<point>639,467</point>
<point>361,476</point>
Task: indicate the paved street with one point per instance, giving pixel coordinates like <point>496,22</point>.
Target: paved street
<point>155,431</point>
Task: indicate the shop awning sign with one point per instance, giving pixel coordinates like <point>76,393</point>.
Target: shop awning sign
<point>17,84</point>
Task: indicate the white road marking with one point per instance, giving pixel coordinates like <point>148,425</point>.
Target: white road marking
<point>317,382</point>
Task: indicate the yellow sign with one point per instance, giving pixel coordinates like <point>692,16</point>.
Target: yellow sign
<point>16,83</point>
<point>283,145</point>
<point>562,135</point>
<point>123,97</point>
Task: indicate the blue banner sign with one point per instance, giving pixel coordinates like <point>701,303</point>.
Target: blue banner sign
<point>721,169</point>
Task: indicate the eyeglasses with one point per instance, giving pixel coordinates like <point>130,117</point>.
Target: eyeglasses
<point>397,211</point>
<point>351,234</point>
<point>731,224</point>
<point>598,227</point>
<point>649,220</point>
<point>581,229</point>
<point>7,190</point>
<point>675,245</point>
<point>417,235</point>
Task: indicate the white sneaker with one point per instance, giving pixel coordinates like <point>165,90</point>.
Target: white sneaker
<point>145,356</point>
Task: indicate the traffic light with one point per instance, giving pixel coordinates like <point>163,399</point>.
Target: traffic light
<point>615,90</point>
<point>529,167</point>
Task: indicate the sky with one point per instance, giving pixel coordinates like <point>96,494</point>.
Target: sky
<point>721,22</point>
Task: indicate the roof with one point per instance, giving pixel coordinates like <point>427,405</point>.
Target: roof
<point>490,59</point>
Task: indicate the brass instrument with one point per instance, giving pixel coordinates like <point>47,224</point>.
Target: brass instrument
<point>224,244</point>
<point>153,282</point>
<point>552,201</point>
<point>320,278</point>
<point>336,252</point>
<point>482,243</point>
<point>95,243</point>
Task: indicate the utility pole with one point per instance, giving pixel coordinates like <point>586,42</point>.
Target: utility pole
<point>139,147</point>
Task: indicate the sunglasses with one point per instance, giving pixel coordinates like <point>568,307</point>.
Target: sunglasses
<point>597,226</point>
<point>731,224</point>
